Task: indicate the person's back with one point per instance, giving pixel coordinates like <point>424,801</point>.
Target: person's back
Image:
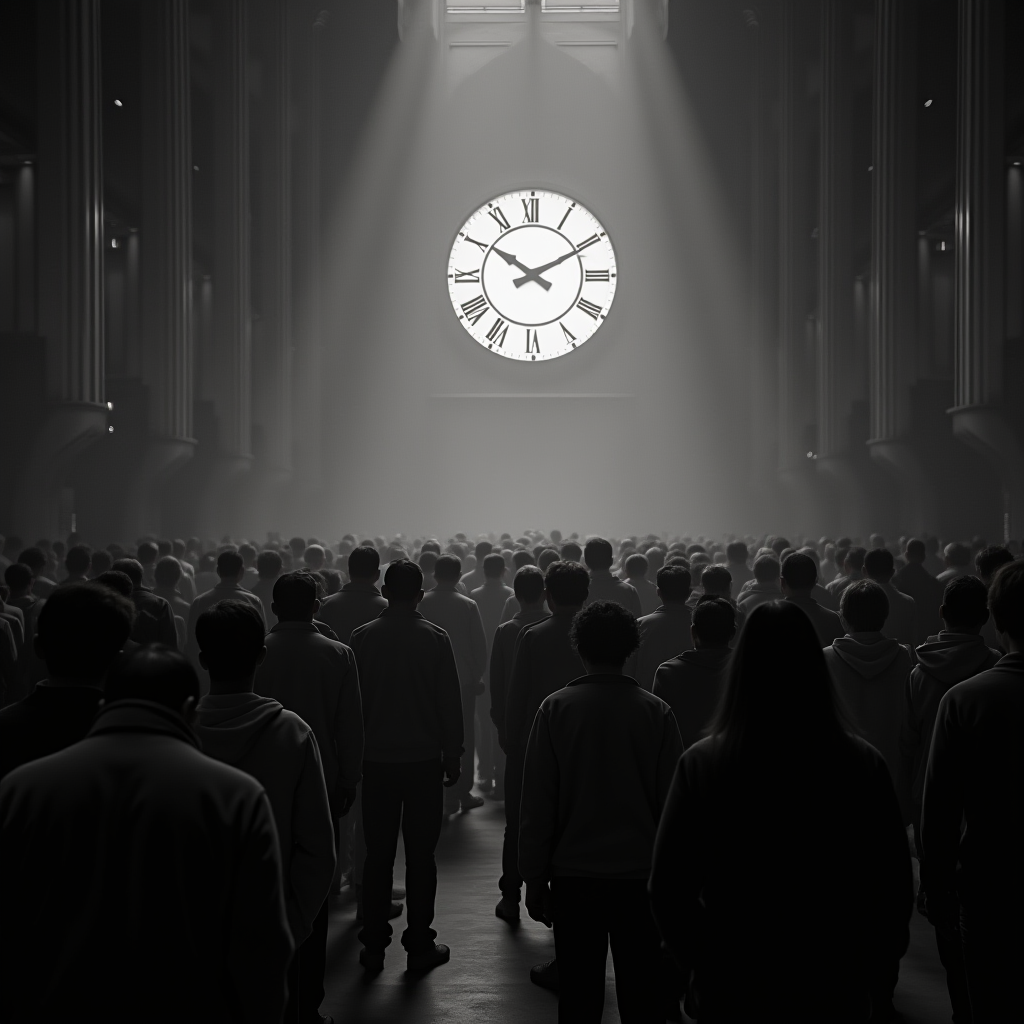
<point>736,555</point>
<point>901,624</point>
<point>737,886</point>
<point>178,912</point>
<point>490,598</point>
<point>871,671</point>
<point>691,683</point>
<point>459,617</point>
<point>914,580</point>
<point>665,632</point>
<point>598,557</point>
<point>167,577</point>
<point>154,617</point>
<point>269,566</point>
<point>636,568</point>
<point>987,562</point>
<point>957,559</point>
<point>766,586</point>
<point>359,600</point>
<point>475,577</point>
<point>853,570</point>
<point>799,578</point>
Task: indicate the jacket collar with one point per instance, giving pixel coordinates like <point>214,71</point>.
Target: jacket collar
<point>141,716</point>
<point>298,627</point>
<point>360,587</point>
<point>224,585</point>
<point>399,612</point>
<point>602,677</point>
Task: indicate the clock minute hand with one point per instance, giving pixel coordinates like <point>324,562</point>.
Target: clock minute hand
<point>532,275</point>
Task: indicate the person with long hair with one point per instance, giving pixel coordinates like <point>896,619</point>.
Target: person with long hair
<point>781,879</point>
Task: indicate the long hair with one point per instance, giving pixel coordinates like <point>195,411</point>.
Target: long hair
<point>779,689</point>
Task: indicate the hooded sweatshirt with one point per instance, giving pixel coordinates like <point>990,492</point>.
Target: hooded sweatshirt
<point>277,748</point>
<point>871,672</point>
<point>942,662</point>
<point>691,684</point>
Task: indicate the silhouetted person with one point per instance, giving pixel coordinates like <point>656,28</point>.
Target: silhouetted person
<point>77,561</point>
<point>15,618</point>
<point>459,617</point>
<point>146,555</point>
<point>853,570</point>
<point>100,561</point>
<point>636,568</point>
<point>766,586</point>
<point>986,563</point>
<point>426,561</point>
<point>901,625</point>
<point>664,633</point>
<point>359,601</point>
<point>917,582</point>
<point>35,559</point>
<point>168,576</point>
<point>598,557</point>
<point>736,555</point>
<point>154,617</point>
<point>178,911</point>
<point>738,887</point>
<point>269,565</point>
<point>413,713</point>
<point>600,759</point>
<point>21,600</point>
<point>799,575</point>
<point>277,748</point>
<point>570,552</point>
<point>957,558</point>
<point>691,683</point>
<point>475,577</point>
<point>972,828</point>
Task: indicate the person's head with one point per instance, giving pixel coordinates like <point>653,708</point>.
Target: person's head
<point>957,555</point>
<point>269,564</point>
<point>547,557</point>
<point>364,564</point>
<point>78,560</point>
<point>482,550</point>
<point>854,560</point>
<point>636,567</point>
<point>35,559</point>
<point>528,585</point>
<point>230,567</point>
<point>155,673</point>
<point>556,536</point>
<point>915,551</point>
<point>779,544</point>
<point>403,583</point>
<point>570,552</point>
<point>655,559</point>
<point>566,585</point>
<point>117,581</point>
<point>799,702</point>
<point>427,561</point>
<point>714,623</point>
<point>799,573</point>
<point>876,540</point>
<point>694,549</point>
<point>1006,601</point>
<point>766,568</point>
<point>167,572</point>
<point>964,605</point>
<point>448,568</point>
<point>147,553</point>
<point>431,545</point>
<point>598,554</point>
<point>864,607</point>
<point>248,553</point>
<point>81,630</point>
<point>674,584</point>
<point>736,553</point>
<point>313,556</point>
<point>230,638</point>
<point>879,565</point>
<point>494,566</point>
<point>295,597</point>
<point>297,545</point>
<point>99,561</point>
<point>716,580</point>
<point>521,558</point>
<point>604,635</point>
<point>132,568</point>
<point>989,559</point>
<point>165,547</point>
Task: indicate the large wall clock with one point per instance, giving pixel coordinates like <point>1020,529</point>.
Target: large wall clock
<point>532,275</point>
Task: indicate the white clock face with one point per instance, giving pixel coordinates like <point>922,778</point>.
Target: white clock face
<point>532,275</point>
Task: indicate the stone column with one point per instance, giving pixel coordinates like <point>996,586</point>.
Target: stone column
<point>70,251</point>
<point>980,253</point>
<point>166,259</point>
<point>894,267</point>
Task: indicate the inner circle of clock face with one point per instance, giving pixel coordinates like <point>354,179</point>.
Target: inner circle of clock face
<point>532,275</point>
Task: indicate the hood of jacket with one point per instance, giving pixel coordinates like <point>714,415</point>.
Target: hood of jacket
<point>867,656</point>
<point>951,657</point>
<point>229,724</point>
<point>710,659</point>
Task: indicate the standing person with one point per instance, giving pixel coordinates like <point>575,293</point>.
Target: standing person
<point>459,617</point>
<point>972,828</point>
<point>414,723</point>
<point>600,742</point>
<point>598,556</point>
<point>35,559</point>
<point>799,576</point>
<point>986,563</point>
<point>269,565</point>
<point>766,586</point>
<point>176,855</point>
<point>901,625</point>
<point>914,580</point>
<point>748,931</point>
<point>475,577</point>
<point>736,555</point>
<point>359,600</point>
<point>277,748</point>
<point>154,617</point>
<point>636,568</point>
<point>853,570</point>
<point>77,562</point>
<point>665,633</point>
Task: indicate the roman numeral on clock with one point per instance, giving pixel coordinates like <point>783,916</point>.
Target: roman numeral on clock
<point>587,242</point>
<point>475,309</point>
<point>501,219</point>
<point>569,336</point>
<point>589,308</point>
<point>532,344</point>
<point>592,275</point>
<point>471,276</point>
<point>496,335</point>
<point>531,210</point>
<point>482,246</point>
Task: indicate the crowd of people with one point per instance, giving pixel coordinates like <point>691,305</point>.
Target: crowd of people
<point>715,756</point>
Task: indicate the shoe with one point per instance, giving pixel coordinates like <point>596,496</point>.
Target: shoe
<point>395,911</point>
<point>440,954</point>
<point>371,961</point>
<point>469,802</point>
<point>545,975</point>
<point>507,910</point>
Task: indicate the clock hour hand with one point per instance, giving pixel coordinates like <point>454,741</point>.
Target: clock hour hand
<point>533,275</point>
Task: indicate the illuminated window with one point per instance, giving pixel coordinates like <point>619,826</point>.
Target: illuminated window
<point>593,7</point>
<point>493,7</point>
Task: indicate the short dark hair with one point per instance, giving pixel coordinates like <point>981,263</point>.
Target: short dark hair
<point>18,576</point>
<point>155,673</point>
<point>766,568</point>
<point>229,564</point>
<point>314,556</point>
<point>448,568</point>
<point>799,571</point>
<point>864,607</point>
<point>598,553</point>
<point>82,628</point>
<point>1006,599</point>
<point>119,582</point>
<point>570,552</point>
<point>714,621</point>
<point>957,554</point>
<point>716,579</point>
<point>34,559</point>
<point>494,566</point>
<point>965,602</point>
<point>78,559</point>
<point>736,551</point>
<point>100,561</point>
<point>547,557</point>
<point>482,550</point>
<point>916,550</point>
<point>363,563</point>
<point>294,595</point>
<point>131,567</point>
<point>605,633</point>
<point>521,558</point>
<point>431,545</point>
<point>528,584</point>
<point>855,558</point>
<point>879,564</point>
<point>147,552</point>
<point>989,559</point>
<point>674,582</point>
<point>248,553</point>
<point>167,571</point>
<point>427,560</point>
<point>404,580</point>
<point>269,564</point>
<point>230,637</point>
<point>637,565</point>
<point>567,582</point>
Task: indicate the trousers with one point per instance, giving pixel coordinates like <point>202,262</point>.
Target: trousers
<point>306,975</point>
<point>465,783</point>
<point>993,949</point>
<point>511,882</point>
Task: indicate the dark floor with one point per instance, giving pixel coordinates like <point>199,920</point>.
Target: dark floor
<point>488,977</point>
